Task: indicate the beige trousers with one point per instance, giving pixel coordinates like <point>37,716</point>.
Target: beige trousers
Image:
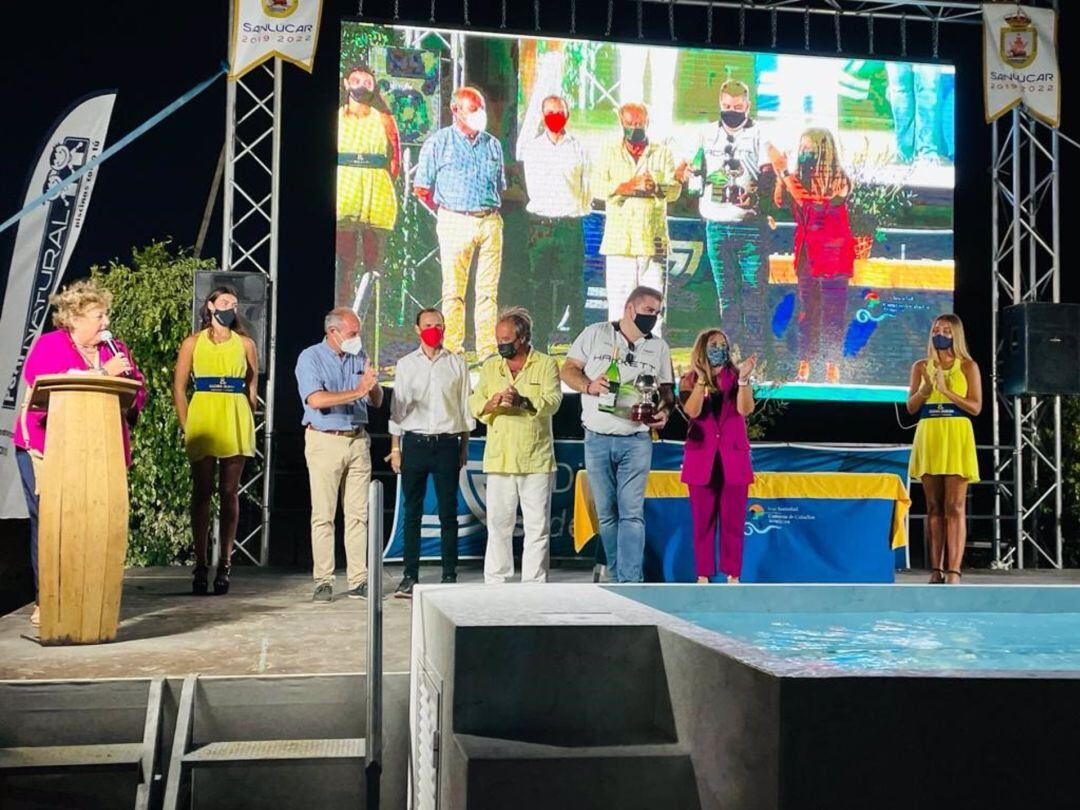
<point>338,465</point>
<point>461,236</point>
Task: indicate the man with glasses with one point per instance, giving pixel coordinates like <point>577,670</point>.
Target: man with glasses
<point>618,451</point>
<point>726,174</point>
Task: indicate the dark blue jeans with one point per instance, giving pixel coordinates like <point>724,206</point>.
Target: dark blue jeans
<point>26,473</point>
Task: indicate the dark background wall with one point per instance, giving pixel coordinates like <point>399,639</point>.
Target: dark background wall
<point>158,186</point>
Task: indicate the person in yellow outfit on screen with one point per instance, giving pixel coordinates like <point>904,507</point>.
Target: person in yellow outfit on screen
<point>369,159</point>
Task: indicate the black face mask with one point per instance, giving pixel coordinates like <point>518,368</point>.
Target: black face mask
<point>807,165</point>
<point>507,350</point>
<point>733,118</point>
<point>644,323</point>
<point>635,135</point>
<point>226,317</point>
<point>361,95</point>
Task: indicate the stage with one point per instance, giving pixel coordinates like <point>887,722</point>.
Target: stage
<point>268,625</point>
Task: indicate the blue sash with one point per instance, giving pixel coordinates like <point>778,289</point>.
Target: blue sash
<point>940,409</point>
<point>221,385</point>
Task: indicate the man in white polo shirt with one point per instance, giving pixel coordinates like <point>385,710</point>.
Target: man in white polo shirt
<point>618,451</point>
<point>725,174</point>
<point>557,181</point>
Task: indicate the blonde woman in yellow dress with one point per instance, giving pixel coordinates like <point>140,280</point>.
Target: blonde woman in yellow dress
<point>369,159</point>
<point>218,424</point>
<point>946,392</point>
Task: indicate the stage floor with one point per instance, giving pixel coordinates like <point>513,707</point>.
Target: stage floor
<point>269,625</point>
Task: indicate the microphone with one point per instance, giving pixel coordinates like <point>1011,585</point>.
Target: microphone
<point>108,340</point>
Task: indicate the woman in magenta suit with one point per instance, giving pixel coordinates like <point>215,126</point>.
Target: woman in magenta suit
<point>717,397</point>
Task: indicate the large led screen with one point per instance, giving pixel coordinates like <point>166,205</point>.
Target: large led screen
<point>802,203</point>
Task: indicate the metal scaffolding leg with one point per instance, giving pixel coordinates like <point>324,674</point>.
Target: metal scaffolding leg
<point>1026,233</point>
<point>250,243</point>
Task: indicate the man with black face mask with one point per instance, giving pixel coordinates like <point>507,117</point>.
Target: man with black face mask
<point>725,173</point>
<point>515,396</point>
<point>618,451</point>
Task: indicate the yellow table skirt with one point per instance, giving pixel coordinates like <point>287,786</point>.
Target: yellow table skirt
<point>666,484</point>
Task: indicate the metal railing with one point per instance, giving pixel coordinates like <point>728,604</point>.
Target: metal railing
<point>374,643</point>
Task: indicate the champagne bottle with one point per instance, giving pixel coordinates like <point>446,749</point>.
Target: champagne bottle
<point>608,400</point>
<point>695,183</point>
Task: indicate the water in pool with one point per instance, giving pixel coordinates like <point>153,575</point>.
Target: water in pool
<point>912,641</point>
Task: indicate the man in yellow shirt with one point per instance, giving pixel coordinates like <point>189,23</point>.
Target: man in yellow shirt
<point>636,179</point>
<point>516,395</point>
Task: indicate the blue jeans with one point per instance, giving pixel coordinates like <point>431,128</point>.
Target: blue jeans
<point>914,96</point>
<point>618,468</point>
<point>26,473</point>
<point>740,275</point>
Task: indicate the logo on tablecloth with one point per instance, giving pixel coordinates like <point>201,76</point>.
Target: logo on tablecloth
<point>759,522</point>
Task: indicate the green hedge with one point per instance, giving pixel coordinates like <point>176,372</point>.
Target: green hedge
<point>151,313</point>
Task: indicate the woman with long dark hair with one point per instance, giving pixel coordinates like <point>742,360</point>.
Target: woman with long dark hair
<point>945,391</point>
<point>218,423</point>
<point>717,398</point>
<point>369,160</point>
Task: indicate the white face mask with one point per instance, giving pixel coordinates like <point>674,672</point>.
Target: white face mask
<point>352,345</point>
<point>476,120</point>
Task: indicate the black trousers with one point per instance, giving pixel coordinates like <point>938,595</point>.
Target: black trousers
<point>437,456</point>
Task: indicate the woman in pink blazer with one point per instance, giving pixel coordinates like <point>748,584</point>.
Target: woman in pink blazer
<point>717,397</point>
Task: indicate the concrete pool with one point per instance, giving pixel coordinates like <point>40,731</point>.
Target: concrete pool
<point>767,696</point>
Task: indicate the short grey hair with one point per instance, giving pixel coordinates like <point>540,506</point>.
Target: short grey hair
<point>335,318</point>
<point>522,321</point>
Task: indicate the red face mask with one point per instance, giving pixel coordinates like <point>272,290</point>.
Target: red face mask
<point>432,336</point>
<point>555,121</point>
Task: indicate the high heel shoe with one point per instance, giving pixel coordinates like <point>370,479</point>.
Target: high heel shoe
<point>198,580</point>
<point>221,581</point>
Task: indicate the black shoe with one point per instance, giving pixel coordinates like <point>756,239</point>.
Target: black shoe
<point>198,581</point>
<point>323,593</point>
<point>404,589</point>
<point>359,592</point>
<point>449,579</point>
<point>221,581</point>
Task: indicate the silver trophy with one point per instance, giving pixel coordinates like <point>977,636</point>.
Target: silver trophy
<point>648,390</point>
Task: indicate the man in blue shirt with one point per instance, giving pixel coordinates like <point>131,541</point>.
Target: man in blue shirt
<point>337,384</point>
<point>460,175</point>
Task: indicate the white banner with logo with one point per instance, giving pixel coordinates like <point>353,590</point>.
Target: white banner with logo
<point>1020,63</point>
<point>263,29</point>
<point>43,245</point>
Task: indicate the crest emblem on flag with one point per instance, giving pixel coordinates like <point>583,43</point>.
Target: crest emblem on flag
<point>279,8</point>
<point>1018,41</point>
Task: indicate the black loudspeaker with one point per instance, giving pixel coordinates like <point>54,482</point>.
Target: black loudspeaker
<point>1041,349</point>
<point>252,290</point>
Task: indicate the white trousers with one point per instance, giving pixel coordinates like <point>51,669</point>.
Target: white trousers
<point>504,493</point>
<point>623,273</point>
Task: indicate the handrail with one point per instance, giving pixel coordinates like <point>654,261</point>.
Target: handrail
<point>374,643</point>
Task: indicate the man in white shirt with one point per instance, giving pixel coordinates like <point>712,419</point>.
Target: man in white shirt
<point>618,451</point>
<point>725,174</point>
<point>557,181</point>
<point>429,435</point>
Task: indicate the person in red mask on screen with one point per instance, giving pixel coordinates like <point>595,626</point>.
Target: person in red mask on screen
<point>557,181</point>
<point>429,435</point>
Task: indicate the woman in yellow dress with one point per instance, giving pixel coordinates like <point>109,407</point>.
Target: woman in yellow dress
<point>218,424</point>
<point>369,159</point>
<point>945,391</point>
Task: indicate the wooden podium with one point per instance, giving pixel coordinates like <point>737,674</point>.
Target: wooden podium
<point>83,506</point>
